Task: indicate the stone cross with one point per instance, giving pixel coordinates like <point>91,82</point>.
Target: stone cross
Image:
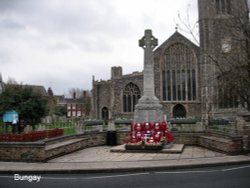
<point>148,108</point>
<point>148,43</point>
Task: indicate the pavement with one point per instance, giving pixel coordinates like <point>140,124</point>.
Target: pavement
<point>100,159</point>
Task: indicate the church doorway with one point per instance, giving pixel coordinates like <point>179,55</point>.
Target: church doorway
<point>179,111</point>
<point>105,114</point>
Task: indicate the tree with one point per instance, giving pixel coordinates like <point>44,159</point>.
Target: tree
<point>60,111</point>
<point>76,93</point>
<point>30,104</point>
<point>87,102</point>
<point>231,59</point>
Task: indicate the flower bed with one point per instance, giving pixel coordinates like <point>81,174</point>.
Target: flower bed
<point>31,136</point>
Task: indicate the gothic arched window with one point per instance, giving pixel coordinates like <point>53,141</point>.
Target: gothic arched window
<point>131,95</point>
<point>179,74</point>
<point>223,6</point>
<point>105,113</point>
<point>227,97</point>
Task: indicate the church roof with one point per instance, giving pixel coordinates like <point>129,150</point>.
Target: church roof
<point>176,38</point>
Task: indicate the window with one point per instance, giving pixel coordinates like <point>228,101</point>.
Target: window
<point>105,113</point>
<point>179,74</point>
<point>69,113</point>
<point>164,84</point>
<point>79,113</point>
<point>131,95</point>
<point>68,106</point>
<point>174,84</point>
<point>183,80</point>
<point>229,6</point>
<point>193,85</point>
<point>227,98</point>
<point>189,85</point>
<point>223,6</point>
<point>217,6</point>
<point>168,86</point>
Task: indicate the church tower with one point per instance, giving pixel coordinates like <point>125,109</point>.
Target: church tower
<point>219,23</point>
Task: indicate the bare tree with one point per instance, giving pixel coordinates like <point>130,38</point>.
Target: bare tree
<point>76,93</point>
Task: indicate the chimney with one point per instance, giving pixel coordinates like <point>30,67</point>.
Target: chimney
<point>84,94</point>
<point>50,92</point>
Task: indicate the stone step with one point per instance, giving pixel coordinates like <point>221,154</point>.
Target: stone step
<point>225,145</point>
<point>63,143</point>
<point>177,148</point>
<point>218,139</point>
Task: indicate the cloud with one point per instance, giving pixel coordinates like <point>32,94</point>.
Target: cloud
<point>63,43</point>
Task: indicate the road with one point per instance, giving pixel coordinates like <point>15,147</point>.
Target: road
<point>221,177</point>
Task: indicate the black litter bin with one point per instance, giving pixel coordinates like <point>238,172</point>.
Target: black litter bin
<point>111,138</point>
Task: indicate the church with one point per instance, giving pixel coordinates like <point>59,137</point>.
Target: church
<point>187,76</point>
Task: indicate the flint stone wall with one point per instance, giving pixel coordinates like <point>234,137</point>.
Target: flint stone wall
<point>43,150</point>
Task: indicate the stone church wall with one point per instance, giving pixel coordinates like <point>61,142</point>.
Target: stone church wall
<point>101,98</point>
<point>110,94</point>
<point>193,109</point>
<point>118,86</point>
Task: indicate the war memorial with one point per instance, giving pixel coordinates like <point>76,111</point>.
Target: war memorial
<point>148,131</point>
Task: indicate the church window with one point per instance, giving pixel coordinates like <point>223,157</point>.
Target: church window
<point>217,6</point>
<point>189,85</point>
<point>168,86</point>
<point>227,98</point>
<point>131,95</point>
<point>179,72</point>
<point>129,104</point>
<point>179,85</point>
<point>105,113</point>
<point>223,6</point>
<point>194,84</point>
<point>183,84</point>
<point>229,6</point>
<point>174,84</point>
<point>164,84</point>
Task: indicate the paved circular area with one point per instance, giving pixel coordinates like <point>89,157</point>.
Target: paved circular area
<point>103,154</point>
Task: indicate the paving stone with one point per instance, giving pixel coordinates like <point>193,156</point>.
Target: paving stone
<point>103,154</point>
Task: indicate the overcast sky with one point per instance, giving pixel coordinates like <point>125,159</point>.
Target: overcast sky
<point>62,43</point>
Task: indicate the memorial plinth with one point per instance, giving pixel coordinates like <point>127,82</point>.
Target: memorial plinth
<point>148,108</point>
<point>149,131</point>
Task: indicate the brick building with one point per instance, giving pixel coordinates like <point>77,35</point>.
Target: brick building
<point>76,107</point>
